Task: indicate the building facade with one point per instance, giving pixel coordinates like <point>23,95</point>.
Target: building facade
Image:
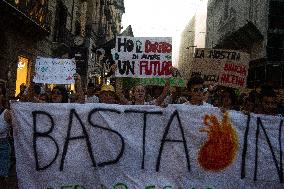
<point>53,28</point>
<point>193,37</point>
<point>103,25</point>
<point>186,49</point>
<point>252,26</point>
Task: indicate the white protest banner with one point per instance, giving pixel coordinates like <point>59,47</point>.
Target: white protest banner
<point>54,70</point>
<point>143,57</point>
<point>99,146</point>
<point>225,67</point>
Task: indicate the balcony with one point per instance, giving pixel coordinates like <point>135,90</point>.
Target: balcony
<point>97,32</point>
<point>33,16</point>
<point>64,36</point>
<point>63,42</point>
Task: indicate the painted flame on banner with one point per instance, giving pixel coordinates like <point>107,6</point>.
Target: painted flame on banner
<point>220,150</point>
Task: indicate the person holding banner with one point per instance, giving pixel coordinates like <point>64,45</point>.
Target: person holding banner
<point>59,95</point>
<point>91,94</point>
<point>107,94</point>
<point>80,97</point>
<point>268,101</point>
<point>228,99</point>
<point>5,122</point>
<point>197,92</point>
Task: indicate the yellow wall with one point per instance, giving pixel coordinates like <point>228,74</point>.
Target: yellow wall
<point>22,72</point>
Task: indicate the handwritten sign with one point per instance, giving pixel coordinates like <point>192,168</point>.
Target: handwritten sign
<point>143,57</point>
<point>113,146</point>
<point>54,71</point>
<point>224,67</point>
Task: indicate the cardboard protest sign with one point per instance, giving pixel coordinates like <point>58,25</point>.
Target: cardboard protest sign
<point>110,146</point>
<point>224,67</point>
<point>143,57</point>
<point>54,70</point>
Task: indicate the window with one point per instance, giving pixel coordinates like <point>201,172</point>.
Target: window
<point>276,17</point>
<point>275,46</point>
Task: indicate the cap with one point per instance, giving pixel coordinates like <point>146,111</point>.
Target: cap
<point>108,88</point>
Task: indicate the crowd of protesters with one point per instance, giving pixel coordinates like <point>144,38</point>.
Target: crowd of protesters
<point>197,92</point>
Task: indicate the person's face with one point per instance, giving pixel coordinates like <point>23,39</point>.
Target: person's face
<point>56,96</point>
<point>43,98</point>
<point>226,100</point>
<point>107,97</point>
<point>206,96</point>
<point>269,104</point>
<point>197,94</point>
<point>139,93</point>
<point>249,106</point>
<point>90,91</point>
<point>216,102</point>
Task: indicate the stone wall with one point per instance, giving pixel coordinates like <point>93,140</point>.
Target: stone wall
<point>227,16</point>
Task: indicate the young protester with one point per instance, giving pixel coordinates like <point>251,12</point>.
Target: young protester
<point>196,92</point>
<point>59,95</point>
<point>44,98</point>
<point>268,101</point>
<point>171,98</point>
<point>33,93</point>
<point>91,96</point>
<point>228,99</point>
<point>5,149</point>
<point>79,93</point>
<point>107,94</point>
<point>139,96</point>
<point>250,102</point>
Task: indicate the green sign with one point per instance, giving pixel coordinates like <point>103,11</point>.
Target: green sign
<point>175,82</point>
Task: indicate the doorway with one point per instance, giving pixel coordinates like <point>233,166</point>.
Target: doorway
<point>22,72</point>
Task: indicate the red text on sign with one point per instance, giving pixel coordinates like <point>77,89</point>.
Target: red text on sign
<point>232,79</point>
<point>236,68</point>
<point>157,47</point>
<point>155,68</point>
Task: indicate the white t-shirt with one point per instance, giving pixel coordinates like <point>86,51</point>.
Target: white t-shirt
<point>153,102</point>
<point>93,99</point>
<point>203,104</point>
<point>4,127</point>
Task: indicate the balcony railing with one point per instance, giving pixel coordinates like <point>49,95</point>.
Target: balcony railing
<point>37,11</point>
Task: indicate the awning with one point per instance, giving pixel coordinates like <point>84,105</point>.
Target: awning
<point>243,38</point>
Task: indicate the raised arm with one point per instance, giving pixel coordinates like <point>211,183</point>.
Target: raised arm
<point>121,97</point>
<point>80,97</point>
<point>166,89</point>
<point>164,93</point>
